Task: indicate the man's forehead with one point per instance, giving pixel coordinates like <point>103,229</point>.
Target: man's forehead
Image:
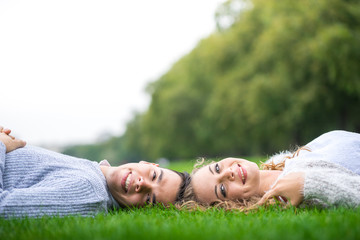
<point>169,176</point>
<point>169,186</point>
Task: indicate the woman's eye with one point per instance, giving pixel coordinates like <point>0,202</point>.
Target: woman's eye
<point>148,199</point>
<point>217,168</point>
<point>222,190</point>
<point>154,176</point>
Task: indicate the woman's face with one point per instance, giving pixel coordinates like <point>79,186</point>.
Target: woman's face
<point>138,184</point>
<point>228,179</point>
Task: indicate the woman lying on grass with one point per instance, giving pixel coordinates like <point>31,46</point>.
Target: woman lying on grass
<point>325,172</point>
<point>36,182</point>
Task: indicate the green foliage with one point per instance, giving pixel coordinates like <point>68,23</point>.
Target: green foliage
<point>159,223</point>
<point>112,150</point>
<point>281,74</point>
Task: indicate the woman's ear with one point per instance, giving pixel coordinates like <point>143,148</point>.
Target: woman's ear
<point>145,162</point>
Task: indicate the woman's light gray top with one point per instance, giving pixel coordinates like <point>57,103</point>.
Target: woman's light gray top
<point>331,168</point>
<point>36,182</point>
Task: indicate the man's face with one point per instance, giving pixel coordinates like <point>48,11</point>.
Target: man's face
<point>138,184</point>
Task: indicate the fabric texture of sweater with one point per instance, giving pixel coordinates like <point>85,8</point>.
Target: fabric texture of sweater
<point>331,168</point>
<point>36,182</point>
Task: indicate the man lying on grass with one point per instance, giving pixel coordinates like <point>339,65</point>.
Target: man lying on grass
<point>36,182</point>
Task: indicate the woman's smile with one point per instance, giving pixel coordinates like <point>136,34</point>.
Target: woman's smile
<point>242,173</point>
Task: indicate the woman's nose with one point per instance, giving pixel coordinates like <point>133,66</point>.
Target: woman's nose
<point>228,174</point>
<point>141,185</point>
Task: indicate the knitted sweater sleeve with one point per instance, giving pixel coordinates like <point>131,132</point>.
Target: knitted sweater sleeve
<point>327,184</point>
<point>2,164</point>
<point>59,197</point>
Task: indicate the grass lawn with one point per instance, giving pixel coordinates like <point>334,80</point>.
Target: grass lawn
<point>274,223</point>
<point>150,223</point>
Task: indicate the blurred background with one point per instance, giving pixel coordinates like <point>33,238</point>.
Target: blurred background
<point>178,79</point>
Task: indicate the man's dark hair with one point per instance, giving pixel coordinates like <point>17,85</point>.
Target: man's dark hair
<point>185,181</point>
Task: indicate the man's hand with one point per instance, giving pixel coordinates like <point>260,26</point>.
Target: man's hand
<point>6,130</point>
<point>290,186</point>
<point>10,142</point>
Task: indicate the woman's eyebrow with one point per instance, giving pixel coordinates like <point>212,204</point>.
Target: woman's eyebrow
<point>211,171</point>
<point>216,192</point>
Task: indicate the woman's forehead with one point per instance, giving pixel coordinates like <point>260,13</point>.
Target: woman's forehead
<point>203,177</point>
<point>203,182</point>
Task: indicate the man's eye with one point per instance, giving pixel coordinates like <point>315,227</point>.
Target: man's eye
<point>217,168</point>
<point>154,176</point>
<point>222,190</point>
<point>148,199</point>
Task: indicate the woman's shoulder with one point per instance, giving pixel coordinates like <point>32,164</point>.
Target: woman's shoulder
<point>279,157</point>
<point>339,133</point>
<point>336,134</point>
<point>335,137</point>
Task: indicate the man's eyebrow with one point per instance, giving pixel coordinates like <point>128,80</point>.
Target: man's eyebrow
<point>160,176</point>
<point>154,199</point>
<point>216,192</point>
<point>158,180</point>
<point>211,171</point>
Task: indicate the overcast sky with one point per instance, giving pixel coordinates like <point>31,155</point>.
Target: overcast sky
<point>72,70</point>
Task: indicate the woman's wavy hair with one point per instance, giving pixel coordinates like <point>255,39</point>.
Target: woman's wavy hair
<point>191,202</point>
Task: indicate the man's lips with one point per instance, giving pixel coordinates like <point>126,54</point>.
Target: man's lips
<point>242,173</point>
<point>123,182</point>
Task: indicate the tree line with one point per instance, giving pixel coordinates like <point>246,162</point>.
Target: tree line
<point>275,75</point>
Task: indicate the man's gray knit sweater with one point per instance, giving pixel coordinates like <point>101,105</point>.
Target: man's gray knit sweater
<point>36,182</point>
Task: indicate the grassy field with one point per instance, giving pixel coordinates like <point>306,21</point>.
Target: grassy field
<point>158,223</point>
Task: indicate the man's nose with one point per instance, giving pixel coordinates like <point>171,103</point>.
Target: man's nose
<point>141,185</point>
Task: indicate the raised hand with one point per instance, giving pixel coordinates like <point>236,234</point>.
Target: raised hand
<point>287,189</point>
<point>10,142</point>
<point>5,130</point>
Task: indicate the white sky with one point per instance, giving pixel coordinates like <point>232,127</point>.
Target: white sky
<point>71,70</point>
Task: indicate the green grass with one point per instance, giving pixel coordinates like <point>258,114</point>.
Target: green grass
<point>185,165</point>
<point>273,223</point>
<point>158,223</point>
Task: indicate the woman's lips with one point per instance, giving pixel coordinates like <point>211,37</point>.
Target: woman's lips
<point>245,174</point>
<point>282,199</point>
<point>242,173</point>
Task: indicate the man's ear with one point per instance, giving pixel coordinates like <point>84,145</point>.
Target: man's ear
<point>145,162</point>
